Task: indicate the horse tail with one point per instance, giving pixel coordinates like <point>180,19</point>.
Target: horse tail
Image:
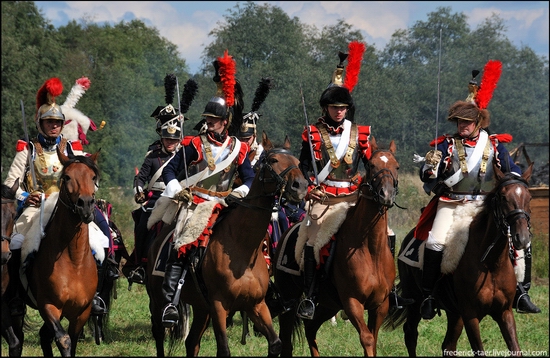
<point>178,333</point>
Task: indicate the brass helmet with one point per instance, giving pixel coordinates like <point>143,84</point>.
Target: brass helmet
<point>45,103</point>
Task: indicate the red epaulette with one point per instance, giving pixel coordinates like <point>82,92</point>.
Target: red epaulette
<point>21,144</point>
<point>187,139</point>
<point>243,153</point>
<point>439,140</point>
<point>502,138</point>
<point>77,145</point>
<point>363,140</point>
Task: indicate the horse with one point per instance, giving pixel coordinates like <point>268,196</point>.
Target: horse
<point>232,274</point>
<point>63,274</point>
<point>362,271</point>
<point>10,329</point>
<point>483,282</point>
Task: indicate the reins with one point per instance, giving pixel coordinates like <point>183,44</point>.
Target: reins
<point>279,178</point>
<point>374,183</point>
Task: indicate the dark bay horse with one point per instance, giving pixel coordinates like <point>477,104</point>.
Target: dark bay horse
<point>233,273</point>
<point>13,334</point>
<point>363,270</point>
<point>63,277</point>
<point>484,282</point>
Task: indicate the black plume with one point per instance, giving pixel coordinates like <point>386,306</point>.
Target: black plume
<point>237,110</point>
<point>261,93</point>
<point>190,89</point>
<point>170,87</point>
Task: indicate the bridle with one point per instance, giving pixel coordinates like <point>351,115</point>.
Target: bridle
<point>374,185</point>
<point>503,220</point>
<point>278,178</point>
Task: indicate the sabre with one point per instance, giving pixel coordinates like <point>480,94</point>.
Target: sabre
<point>181,133</point>
<point>309,138</point>
<point>438,85</point>
<point>29,157</point>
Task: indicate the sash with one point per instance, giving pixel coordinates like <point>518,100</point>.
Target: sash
<point>207,172</point>
<point>158,173</point>
<point>476,156</point>
<point>342,146</point>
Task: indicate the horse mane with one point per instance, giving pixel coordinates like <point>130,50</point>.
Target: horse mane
<point>7,192</point>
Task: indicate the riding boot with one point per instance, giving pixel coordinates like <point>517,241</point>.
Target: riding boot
<point>172,274</point>
<point>111,267</point>
<point>306,308</point>
<point>522,301</point>
<point>16,303</point>
<point>396,300</point>
<point>98,304</point>
<point>430,274</point>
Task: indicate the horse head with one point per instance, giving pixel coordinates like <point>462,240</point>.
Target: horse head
<point>511,206</point>
<point>8,218</point>
<point>381,174</point>
<point>279,168</point>
<point>78,184</point>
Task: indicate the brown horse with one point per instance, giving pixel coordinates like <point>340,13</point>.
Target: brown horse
<point>484,281</point>
<point>11,333</point>
<point>233,274</point>
<point>362,272</point>
<point>63,275</point>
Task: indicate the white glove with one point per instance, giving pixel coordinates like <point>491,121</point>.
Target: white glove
<point>172,188</point>
<point>241,191</point>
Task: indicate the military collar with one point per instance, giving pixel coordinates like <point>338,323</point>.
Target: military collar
<point>333,127</point>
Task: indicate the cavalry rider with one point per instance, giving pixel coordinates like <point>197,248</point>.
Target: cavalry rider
<point>471,149</point>
<point>40,180</point>
<point>209,163</point>
<point>338,145</point>
<point>148,182</point>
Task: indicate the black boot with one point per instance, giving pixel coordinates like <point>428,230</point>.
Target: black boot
<point>111,267</point>
<point>396,300</point>
<point>306,308</point>
<point>172,274</point>
<point>430,274</point>
<point>522,301</point>
<point>98,304</point>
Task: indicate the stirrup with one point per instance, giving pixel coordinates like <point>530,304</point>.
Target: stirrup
<point>99,307</point>
<point>166,322</point>
<point>306,309</point>
<point>137,275</point>
<point>430,300</point>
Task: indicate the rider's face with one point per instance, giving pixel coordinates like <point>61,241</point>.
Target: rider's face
<point>215,124</point>
<point>337,113</point>
<point>52,127</point>
<point>170,144</point>
<point>466,128</point>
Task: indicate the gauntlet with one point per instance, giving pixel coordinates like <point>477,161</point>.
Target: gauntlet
<point>184,195</point>
<point>139,197</point>
<point>433,157</point>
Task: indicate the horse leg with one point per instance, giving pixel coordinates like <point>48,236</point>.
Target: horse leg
<point>14,344</point>
<point>52,327</point>
<point>75,327</point>
<point>46,339</point>
<point>355,312</point>
<point>219,316</point>
<point>454,330</point>
<point>261,317</point>
<point>311,327</point>
<point>287,321</point>
<point>198,327</point>
<point>375,320</point>
<point>507,324</point>
<point>410,329</point>
<point>471,324</point>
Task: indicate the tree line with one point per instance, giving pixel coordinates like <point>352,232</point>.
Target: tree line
<point>397,93</point>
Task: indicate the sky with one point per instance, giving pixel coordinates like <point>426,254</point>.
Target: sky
<point>187,23</point>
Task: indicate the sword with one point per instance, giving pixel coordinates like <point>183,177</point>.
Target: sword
<point>438,85</point>
<point>309,138</point>
<point>181,133</point>
<point>29,157</point>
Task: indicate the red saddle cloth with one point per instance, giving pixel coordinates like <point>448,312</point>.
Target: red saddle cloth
<point>426,220</point>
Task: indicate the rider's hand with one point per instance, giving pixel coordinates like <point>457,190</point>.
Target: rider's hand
<point>34,199</point>
<point>184,195</point>
<point>433,157</point>
<point>317,194</point>
<point>139,197</point>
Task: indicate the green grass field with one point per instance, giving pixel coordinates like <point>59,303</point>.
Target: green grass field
<point>129,330</point>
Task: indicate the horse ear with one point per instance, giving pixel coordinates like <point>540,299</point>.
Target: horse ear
<point>62,157</point>
<point>527,174</point>
<point>286,145</point>
<point>392,146</point>
<point>373,143</point>
<point>95,155</point>
<point>498,173</point>
<point>266,143</point>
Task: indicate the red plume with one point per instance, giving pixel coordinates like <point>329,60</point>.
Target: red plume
<point>228,68</point>
<point>491,75</point>
<point>356,50</point>
<point>53,87</point>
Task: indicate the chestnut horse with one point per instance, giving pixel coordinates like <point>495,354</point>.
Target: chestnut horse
<point>233,275</point>
<point>484,282</point>
<point>362,272</point>
<point>63,276</point>
<point>12,334</point>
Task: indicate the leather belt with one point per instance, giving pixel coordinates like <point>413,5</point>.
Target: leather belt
<point>470,197</point>
<point>209,194</point>
<point>337,184</point>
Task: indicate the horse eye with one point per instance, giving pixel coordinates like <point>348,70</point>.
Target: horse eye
<point>273,160</point>
<point>66,177</point>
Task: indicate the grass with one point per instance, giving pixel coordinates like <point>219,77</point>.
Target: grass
<point>129,331</point>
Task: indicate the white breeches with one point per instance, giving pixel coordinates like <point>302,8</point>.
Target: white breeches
<point>443,220</point>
